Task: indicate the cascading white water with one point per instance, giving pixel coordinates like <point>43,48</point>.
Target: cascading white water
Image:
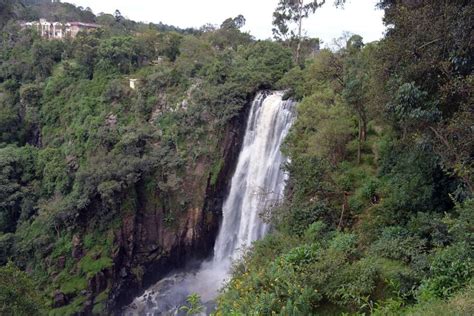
<point>258,181</point>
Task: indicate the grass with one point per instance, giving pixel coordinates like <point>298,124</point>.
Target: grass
<point>73,285</point>
<point>460,304</point>
<point>63,246</point>
<point>91,266</point>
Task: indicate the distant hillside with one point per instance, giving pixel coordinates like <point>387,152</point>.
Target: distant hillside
<point>55,11</point>
<point>33,10</point>
<point>34,2</point>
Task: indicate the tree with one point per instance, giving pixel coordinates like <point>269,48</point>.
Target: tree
<point>194,55</point>
<point>17,194</point>
<point>356,86</point>
<point>234,23</point>
<point>85,51</point>
<point>229,35</point>
<point>118,16</point>
<point>30,96</point>
<point>262,64</point>
<point>117,53</point>
<point>325,127</point>
<point>294,11</point>
<point>18,295</point>
<point>453,143</point>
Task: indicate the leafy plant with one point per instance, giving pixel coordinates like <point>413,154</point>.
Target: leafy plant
<point>194,305</point>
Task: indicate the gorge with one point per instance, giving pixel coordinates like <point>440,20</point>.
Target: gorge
<point>170,195</point>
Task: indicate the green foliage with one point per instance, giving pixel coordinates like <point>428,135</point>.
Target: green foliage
<point>461,224</point>
<point>99,306</point>
<point>460,304</point>
<point>6,243</point>
<point>327,138</point>
<point>377,221</point>
<point>96,138</point>
<point>73,285</point>
<point>18,295</point>
<point>194,54</point>
<point>91,266</point>
<point>71,309</point>
<point>378,212</point>
<point>117,54</point>
<point>397,244</point>
<point>17,181</point>
<point>415,181</point>
<point>216,169</point>
<point>262,64</point>
<point>52,168</point>
<point>194,305</point>
<point>288,18</point>
<point>300,280</point>
<point>451,268</point>
<point>229,34</point>
<point>62,247</point>
<point>412,108</point>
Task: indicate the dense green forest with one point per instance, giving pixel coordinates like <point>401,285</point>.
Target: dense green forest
<point>378,215</point>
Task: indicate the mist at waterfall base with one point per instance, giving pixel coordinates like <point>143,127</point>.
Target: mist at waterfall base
<point>258,182</point>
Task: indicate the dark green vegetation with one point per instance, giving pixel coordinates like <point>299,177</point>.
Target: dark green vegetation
<point>379,211</point>
<point>17,293</point>
<point>76,141</point>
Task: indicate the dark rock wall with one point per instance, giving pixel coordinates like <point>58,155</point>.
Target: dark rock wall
<point>147,249</point>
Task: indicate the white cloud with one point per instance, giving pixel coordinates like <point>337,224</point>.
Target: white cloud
<point>359,16</point>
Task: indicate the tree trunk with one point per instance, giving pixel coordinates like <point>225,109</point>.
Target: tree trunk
<point>364,129</point>
<point>300,22</point>
<point>345,206</point>
<point>359,142</point>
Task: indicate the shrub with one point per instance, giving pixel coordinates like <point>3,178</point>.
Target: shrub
<point>451,269</point>
<point>18,293</point>
<point>396,243</point>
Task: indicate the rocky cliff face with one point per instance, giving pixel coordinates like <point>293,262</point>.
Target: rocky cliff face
<point>148,244</point>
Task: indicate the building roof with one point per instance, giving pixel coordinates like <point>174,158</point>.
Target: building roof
<point>84,24</point>
<point>44,22</point>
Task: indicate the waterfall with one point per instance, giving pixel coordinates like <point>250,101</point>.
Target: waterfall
<point>258,182</point>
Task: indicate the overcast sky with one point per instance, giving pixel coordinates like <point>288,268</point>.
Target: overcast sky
<point>358,16</point>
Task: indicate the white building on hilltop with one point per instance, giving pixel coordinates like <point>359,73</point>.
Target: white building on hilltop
<point>58,30</point>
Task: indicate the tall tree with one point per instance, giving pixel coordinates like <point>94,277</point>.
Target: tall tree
<point>293,12</point>
<point>355,90</point>
<point>234,23</point>
<point>118,15</point>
